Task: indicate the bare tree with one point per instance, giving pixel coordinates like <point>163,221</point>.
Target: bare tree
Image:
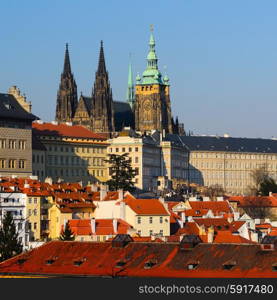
<point>258,176</point>
<point>257,207</point>
<point>213,191</point>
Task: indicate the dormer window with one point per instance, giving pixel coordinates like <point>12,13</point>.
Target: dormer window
<point>229,265</point>
<point>150,264</point>
<point>192,266</point>
<point>50,261</point>
<point>120,264</point>
<point>21,261</point>
<point>77,263</point>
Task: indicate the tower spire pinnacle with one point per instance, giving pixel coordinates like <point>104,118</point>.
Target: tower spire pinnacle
<point>130,97</point>
<point>101,61</point>
<point>67,67</point>
<point>152,73</point>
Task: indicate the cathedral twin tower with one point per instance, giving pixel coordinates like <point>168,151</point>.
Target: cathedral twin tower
<point>147,107</point>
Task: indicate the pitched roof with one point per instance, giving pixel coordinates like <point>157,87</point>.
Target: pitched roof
<point>100,259</point>
<point>215,206</point>
<point>49,129</point>
<point>254,201</point>
<point>227,144</point>
<point>226,236</point>
<point>102,227</point>
<point>11,109</point>
<point>146,206</point>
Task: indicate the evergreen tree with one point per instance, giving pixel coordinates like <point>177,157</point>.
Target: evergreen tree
<point>9,243</point>
<point>121,173</point>
<point>67,234</point>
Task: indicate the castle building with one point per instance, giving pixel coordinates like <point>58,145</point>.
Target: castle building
<point>67,94</point>
<point>152,106</point>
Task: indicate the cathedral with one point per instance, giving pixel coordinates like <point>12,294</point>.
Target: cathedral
<point>147,106</point>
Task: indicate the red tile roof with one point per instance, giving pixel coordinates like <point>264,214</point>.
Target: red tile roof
<point>49,129</point>
<point>100,259</point>
<point>227,237</point>
<point>254,201</point>
<point>215,206</point>
<point>102,226</point>
<point>146,206</point>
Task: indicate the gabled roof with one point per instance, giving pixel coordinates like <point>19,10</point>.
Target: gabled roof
<point>146,206</point>
<point>11,109</point>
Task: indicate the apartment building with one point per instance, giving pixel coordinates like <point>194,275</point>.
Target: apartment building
<point>73,153</point>
<point>15,137</point>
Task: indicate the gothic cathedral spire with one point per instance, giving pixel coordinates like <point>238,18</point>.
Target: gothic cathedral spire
<point>102,101</point>
<point>67,94</point>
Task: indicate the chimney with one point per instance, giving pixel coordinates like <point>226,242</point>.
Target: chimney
<point>120,194</point>
<point>94,188</point>
<point>183,216</point>
<point>93,225</point>
<point>103,192</point>
<point>270,194</point>
<point>115,225</point>
<point>122,210</point>
<point>210,234</point>
<point>48,180</point>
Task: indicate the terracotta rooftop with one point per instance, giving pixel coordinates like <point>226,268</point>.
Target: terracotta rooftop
<point>254,201</point>
<point>102,226</point>
<point>59,258</point>
<point>49,129</point>
<point>146,206</point>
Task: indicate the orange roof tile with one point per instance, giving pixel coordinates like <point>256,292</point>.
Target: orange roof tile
<point>146,206</point>
<point>226,236</point>
<point>49,129</point>
<point>102,227</point>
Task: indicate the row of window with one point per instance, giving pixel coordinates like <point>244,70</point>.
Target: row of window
<point>12,144</point>
<point>150,220</point>
<point>75,160</point>
<point>151,232</point>
<point>38,159</point>
<point>12,163</point>
<point>74,172</point>
<point>123,149</point>
<point>77,149</point>
<point>234,156</point>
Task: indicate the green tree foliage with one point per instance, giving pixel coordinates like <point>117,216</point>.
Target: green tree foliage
<point>121,172</point>
<point>67,234</point>
<point>268,185</point>
<point>9,243</point>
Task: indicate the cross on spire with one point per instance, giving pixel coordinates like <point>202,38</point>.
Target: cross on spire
<point>101,62</point>
<point>67,67</point>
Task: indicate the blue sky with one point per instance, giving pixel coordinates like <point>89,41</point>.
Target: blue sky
<point>221,56</point>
